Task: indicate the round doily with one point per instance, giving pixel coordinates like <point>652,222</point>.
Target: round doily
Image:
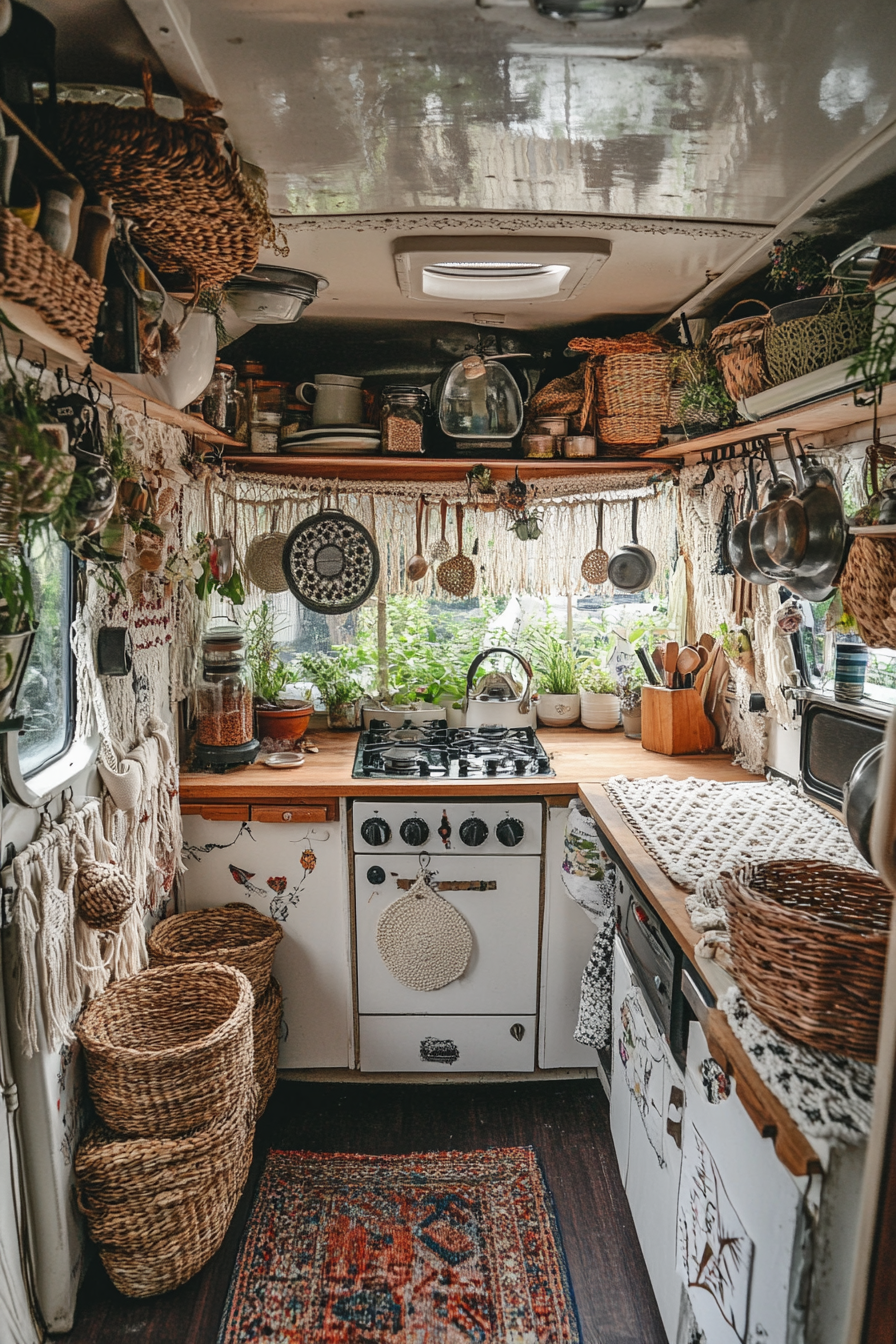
<point>424,941</point>
<point>331,562</point>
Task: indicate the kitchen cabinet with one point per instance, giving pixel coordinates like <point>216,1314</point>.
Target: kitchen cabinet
<point>566,942</point>
<point>296,870</point>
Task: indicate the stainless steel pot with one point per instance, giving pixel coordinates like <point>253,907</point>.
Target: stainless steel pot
<point>633,567</point>
<point>827,539</point>
<point>497,700</point>
<point>778,531</point>
<point>859,795</point>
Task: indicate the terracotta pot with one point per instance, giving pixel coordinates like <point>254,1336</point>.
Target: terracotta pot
<point>281,724</point>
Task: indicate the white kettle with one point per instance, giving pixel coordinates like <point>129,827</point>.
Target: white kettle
<point>497,700</point>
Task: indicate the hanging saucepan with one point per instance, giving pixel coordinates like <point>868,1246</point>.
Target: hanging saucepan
<point>331,562</point>
<point>778,531</point>
<point>858,799</point>
<point>739,552</point>
<point>828,535</point>
<point>632,568</point>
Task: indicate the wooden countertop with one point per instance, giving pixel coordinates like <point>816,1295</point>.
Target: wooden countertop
<point>576,754</point>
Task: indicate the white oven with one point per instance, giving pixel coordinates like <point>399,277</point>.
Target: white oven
<point>485,859</point>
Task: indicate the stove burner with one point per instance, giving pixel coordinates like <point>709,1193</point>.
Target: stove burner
<point>434,750</point>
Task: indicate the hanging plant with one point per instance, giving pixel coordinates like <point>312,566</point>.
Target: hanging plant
<point>208,579</point>
<point>705,403</point>
<point>798,266</point>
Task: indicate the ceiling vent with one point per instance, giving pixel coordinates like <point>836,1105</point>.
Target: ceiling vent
<point>497,270</point>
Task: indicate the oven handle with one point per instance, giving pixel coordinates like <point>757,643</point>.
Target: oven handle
<point>405,884</point>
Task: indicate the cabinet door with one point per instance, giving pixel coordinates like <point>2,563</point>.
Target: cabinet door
<point>567,939</point>
<point>298,874</point>
<point>620,1096</point>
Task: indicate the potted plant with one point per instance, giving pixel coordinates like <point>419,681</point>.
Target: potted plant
<point>599,693</point>
<point>337,687</point>
<point>629,691</point>
<point>278,718</point>
<point>704,403</point>
<point>556,669</point>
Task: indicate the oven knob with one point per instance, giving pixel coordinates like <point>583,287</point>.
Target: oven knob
<point>376,875</point>
<point>376,831</point>
<point>414,831</point>
<point>509,831</point>
<point>473,831</point>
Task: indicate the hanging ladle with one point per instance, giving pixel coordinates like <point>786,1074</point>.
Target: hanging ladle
<point>418,564</point>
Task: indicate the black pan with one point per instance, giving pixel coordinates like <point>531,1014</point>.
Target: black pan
<point>739,542</point>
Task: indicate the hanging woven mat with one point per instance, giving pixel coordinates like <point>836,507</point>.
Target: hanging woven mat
<point>424,941</point>
<point>264,560</point>
<point>805,344</point>
<point>331,562</point>
<point>193,207</point>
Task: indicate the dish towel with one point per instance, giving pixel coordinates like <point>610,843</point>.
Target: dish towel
<point>589,876</point>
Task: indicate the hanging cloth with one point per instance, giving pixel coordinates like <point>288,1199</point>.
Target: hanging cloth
<point>589,877</point>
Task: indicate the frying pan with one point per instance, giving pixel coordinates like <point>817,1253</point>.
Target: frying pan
<point>739,552</point>
<point>632,568</point>
<point>778,531</point>
<point>828,536</point>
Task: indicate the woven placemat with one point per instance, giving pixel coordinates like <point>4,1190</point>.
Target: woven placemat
<point>424,941</point>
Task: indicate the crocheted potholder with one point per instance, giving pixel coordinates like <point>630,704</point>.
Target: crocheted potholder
<point>424,941</point>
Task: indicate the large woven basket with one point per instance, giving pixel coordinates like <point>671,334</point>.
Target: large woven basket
<point>635,431</point>
<point>866,586</point>
<point>169,1048</point>
<point>804,344</point>
<point>635,384</point>
<point>266,1019</point>
<point>60,290</point>
<point>159,1208</point>
<point>738,348</point>
<point>234,935</point>
<point>193,208</point>
<point>809,947</point>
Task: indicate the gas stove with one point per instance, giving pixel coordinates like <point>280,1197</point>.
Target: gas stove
<point>433,750</point>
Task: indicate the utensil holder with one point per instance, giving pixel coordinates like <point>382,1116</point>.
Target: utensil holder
<point>674,723</point>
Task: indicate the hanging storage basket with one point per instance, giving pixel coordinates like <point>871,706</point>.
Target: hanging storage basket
<point>801,345</point>
<point>809,947</point>
<point>235,935</point>
<point>158,1208</point>
<point>58,289</point>
<point>193,207</point>
<point>866,586</point>
<point>266,1019</point>
<point>738,348</point>
<point>169,1048</point>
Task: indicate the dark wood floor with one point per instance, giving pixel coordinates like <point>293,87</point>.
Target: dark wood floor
<point>566,1122</point>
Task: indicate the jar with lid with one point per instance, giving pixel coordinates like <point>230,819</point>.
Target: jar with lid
<point>403,417</point>
<point>250,370</point>
<point>221,401</point>
<point>266,414</point>
<point>224,699</point>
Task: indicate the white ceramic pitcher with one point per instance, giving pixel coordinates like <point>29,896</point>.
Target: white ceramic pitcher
<point>335,397</point>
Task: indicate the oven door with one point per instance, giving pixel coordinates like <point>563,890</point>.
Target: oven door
<point>833,737</point>
<point>502,974</point>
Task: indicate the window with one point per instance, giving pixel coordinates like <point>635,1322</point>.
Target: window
<point>816,643</point>
<point>47,695</point>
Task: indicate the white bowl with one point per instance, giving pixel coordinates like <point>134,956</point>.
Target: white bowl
<point>189,368</point>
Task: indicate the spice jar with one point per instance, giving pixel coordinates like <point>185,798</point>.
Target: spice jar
<point>224,693</point>
<point>539,445</point>
<point>221,399</point>
<point>403,417</point>
<point>265,415</point>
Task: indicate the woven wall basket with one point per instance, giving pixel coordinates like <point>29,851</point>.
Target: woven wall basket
<point>60,290</point>
<point>159,1208</point>
<point>867,585</point>
<point>170,1048</point>
<point>635,431</point>
<point>809,947</point>
<point>805,344</point>
<point>193,210</point>
<point>738,349</point>
<point>234,935</point>
<point>266,1018</point>
<point>635,384</point>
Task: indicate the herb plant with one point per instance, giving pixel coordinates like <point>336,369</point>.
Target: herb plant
<point>270,672</point>
<point>328,673</point>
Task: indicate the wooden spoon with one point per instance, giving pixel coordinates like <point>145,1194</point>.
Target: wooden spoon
<point>670,660</point>
<point>688,661</point>
<point>418,564</point>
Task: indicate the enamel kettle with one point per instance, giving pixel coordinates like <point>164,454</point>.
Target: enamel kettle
<point>497,700</point>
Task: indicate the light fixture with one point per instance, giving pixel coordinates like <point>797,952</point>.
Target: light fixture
<point>497,269</point>
<point>574,11</point>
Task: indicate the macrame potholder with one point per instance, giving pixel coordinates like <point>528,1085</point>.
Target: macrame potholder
<point>424,941</point>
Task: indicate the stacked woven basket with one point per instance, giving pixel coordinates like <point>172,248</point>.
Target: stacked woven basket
<point>180,1061</point>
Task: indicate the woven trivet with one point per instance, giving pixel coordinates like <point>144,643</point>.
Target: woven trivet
<point>424,941</point>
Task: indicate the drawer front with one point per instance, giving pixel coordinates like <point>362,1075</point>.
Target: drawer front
<point>449,1044</point>
<point>277,813</point>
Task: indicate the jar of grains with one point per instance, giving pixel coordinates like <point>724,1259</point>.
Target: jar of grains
<point>224,692</point>
<point>403,417</point>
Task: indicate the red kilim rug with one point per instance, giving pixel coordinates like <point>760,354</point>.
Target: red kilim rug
<point>428,1248</point>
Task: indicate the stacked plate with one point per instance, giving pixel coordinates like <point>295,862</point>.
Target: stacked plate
<point>324,439</point>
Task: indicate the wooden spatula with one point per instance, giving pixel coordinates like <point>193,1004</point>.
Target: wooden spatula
<point>701,681</point>
<point>670,660</point>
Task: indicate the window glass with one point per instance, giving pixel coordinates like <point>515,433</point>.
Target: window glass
<point>818,647</point>
<point>47,698</point>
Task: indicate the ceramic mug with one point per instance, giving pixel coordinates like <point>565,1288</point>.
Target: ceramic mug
<point>850,664</point>
<point>335,397</point>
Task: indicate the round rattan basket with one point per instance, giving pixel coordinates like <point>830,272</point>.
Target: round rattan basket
<point>234,935</point>
<point>266,1031</point>
<point>809,946</point>
<point>867,584</point>
<point>170,1048</point>
<point>159,1208</point>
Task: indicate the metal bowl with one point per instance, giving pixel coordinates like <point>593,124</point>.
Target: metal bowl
<point>858,799</point>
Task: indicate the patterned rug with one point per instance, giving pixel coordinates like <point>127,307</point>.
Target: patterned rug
<point>428,1248</point>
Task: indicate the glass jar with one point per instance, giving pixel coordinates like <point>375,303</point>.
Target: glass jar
<point>479,399</point>
<point>266,415</point>
<point>224,692</point>
<point>403,417</point>
<point>221,399</point>
<point>250,371</point>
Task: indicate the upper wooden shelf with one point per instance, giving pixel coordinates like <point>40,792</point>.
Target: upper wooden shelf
<point>380,466</point>
<point>814,418</point>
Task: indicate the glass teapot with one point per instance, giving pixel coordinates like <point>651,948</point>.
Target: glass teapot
<point>478,398</point>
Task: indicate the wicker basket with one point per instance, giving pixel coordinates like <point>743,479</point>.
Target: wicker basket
<point>635,431</point>
<point>193,209</point>
<point>809,946</point>
<point>169,1048</point>
<point>266,1019</point>
<point>866,586</point>
<point>59,290</point>
<point>159,1208</point>
<point>804,344</point>
<point>234,935</point>
<point>738,349</point>
<point>634,384</point>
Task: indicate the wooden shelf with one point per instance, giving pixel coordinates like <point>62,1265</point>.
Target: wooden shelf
<point>882,530</point>
<point>379,466</point>
<point>829,413</point>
